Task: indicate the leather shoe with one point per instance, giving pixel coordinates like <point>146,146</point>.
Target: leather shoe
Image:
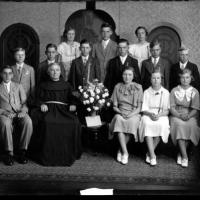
<point>9,160</point>
<point>22,158</point>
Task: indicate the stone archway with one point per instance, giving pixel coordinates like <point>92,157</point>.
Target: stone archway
<point>87,24</point>
<point>21,35</point>
<point>170,41</point>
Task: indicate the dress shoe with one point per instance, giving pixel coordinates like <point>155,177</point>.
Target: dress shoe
<point>184,162</point>
<point>179,159</point>
<point>147,158</point>
<point>124,159</point>
<point>153,161</point>
<point>9,160</point>
<point>119,156</point>
<point>22,159</point>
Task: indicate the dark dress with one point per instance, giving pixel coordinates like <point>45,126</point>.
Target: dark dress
<point>58,131</point>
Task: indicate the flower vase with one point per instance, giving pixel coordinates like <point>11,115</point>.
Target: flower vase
<point>93,113</point>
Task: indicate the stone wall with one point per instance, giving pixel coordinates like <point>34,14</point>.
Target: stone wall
<point>48,19</point>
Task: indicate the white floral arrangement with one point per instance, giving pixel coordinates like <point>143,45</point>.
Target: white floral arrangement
<point>94,96</point>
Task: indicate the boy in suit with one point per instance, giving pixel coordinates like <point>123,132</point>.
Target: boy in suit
<point>13,111</point>
<point>155,62</point>
<point>24,74</point>
<point>51,54</point>
<point>117,64</point>
<point>104,50</point>
<point>182,64</point>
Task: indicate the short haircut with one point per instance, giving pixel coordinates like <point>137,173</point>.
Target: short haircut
<point>122,40</point>
<point>141,27</point>
<point>106,25</point>
<point>85,41</point>
<point>6,67</point>
<point>52,64</point>
<point>128,68</point>
<point>154,43</point>
<point>156,70</point>
<point>18,49</point>
<point>67,30</point>
<point>50,45</point>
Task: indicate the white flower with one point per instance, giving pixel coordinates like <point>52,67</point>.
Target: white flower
<point>98,91</point>
<point>81,90</point>
<point>103,95</point>
<point>96,108</point>
<point>88,109</point>
<point>92,93</point>
<point>91,99</point>
<point>97,97</point>
<point>100,101</point>
<point>84,102</point>
<point>80,87</point>
<point>108,104</point>
<point>106,90</point>
<point>87,102</point>
<point>103,100</point>
<point>85,95</point>
<point>106,94</point>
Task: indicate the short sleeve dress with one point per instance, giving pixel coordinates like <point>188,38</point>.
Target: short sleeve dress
<point>68,53</point>
<point>155,102</point>
<point>140,52</point>
<point>127,99</point>
<point>184,101</point>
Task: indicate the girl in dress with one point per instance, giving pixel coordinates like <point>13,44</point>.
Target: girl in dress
<point>127,101</point>
<point>154,122</point>
<point>68,50</point>
<point>184,107</point>
<point>140,50</point>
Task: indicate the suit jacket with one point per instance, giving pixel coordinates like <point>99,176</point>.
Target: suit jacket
<point>147,69</point>
<point>26,78</point>
<point>79,73</point>
<point>104,55</point>
<point>114,72</point>
<point>42,76</point>
<point>15,101</point>
<point>174,75</point>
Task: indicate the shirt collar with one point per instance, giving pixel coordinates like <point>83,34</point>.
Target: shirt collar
<point>19,65</point>
<point>157,59</point>
<point>123,59</point>
<point>50,61</point>
<point>7,84</point>
<point>105,42</point>
<point>85,57</point>
<point>183,64</point>
<point>158,92</point>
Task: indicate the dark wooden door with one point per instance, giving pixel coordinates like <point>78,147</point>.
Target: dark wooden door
<point>170,42</point>
<point>87,24</point>
<point>19,35</point>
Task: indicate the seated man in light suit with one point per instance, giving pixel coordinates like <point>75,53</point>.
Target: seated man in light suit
<point>13,111</point>
<point>24,74</point>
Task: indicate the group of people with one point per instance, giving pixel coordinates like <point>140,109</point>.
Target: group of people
<point>150,98</point>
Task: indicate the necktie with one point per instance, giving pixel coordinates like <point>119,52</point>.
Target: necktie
<point>182,66</point>
<point>19,70</point>
<point>84,61</point>
<point>154,62</point>
<point>7,89</point>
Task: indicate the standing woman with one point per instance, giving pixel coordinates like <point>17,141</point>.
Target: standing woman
<point>68,50</point>
<point>127,101</point>
<point>154,123</point>
<point>140,50</point>
<point>184,107</point>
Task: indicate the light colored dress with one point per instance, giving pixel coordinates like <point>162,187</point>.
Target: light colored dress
<point>155,102</point>
<point>184,100</point>
<point>68,53</point>
<point>127,99</point>
<point>140,52</point>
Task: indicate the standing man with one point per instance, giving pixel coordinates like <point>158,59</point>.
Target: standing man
<point>24,74</point>
<point>51,54</point>
<point>105,50</point>
<point>155,62</point>
<point>13,111</point>
<point>117,64</point>
<point>182,64</point>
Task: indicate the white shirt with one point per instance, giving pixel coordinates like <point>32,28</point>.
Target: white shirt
<point>123,59</point>
<point>85,59</point>
<point>183,65</point>
<point>50,61</point>
<point>7,86</point>
<point>155,60</point>
<point>105,43</point>
<point>19,66</point>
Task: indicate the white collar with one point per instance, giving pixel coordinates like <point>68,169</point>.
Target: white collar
<point>105,42</point>
<point>19,65</point>
<point>181,93</point>
<point>50,61</point>
<point>123,58</point>
<point>85,57</point>
<point>7,84</point>
<point>157,59</point>
<point>183,64</point>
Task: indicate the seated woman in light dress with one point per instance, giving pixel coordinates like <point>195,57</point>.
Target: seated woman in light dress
<point>68,50</point>
<point>140,50</point>
<point>154,122</point>
<point>127,101</point>
<point>184,107</point>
